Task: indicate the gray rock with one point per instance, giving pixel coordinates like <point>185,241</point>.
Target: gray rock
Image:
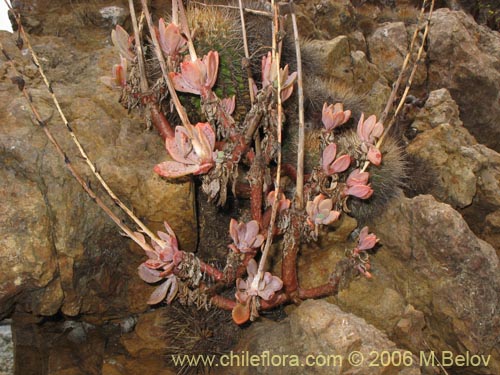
<point>6,350</point>
<point>467,174</point>
<point>324,332</point>
<point>445,272</point>
<point>388,47</point>
<point>465,58</point>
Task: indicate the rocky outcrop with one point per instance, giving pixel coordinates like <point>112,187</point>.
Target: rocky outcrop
<point>464,58</point>
<point>435,285</point>
<point>454,276</point>
<point>60,252</point>
<point>467,174</point>
<point>320,338</point>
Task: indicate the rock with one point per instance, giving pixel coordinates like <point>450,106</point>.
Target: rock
<point>439,108</point>
<point>409,330</point>
<point>388,47</point>
<point>467,174</point>
<point>122,365</point>
<point>435,284</point>
<point>446,272</point>
<point>6,350</point>
<point>448,151</point>
<point>322,330</point>
<point>325,19</point>
<point>491,230</point>
<point>464,58</point>
<point>59,250</point>
<point>346,74</point>
<point>147,338</point>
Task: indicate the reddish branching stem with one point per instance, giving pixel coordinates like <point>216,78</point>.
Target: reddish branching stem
<point>211,271</point>
<point>160,122</point>
<point>256,180</point>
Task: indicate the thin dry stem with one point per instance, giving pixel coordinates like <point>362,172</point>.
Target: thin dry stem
<point>138,48</point>
<point>74,138</point>
<point>410,79</point>
<point>185,29</point>
<point>247,53</point>
<point>269,239</point>
<point>171,89</point>
<point>246,10</point>
<point>409,82</point>
<point>402,72</point>
<point>175,12</point>
<point>299,193</point>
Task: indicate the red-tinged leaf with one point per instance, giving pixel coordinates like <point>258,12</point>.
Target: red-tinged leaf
<point>169,229</point>
<point>211,61</point>
<point>178,257</point>
<point>181,85</point>
<point>341,164</point>
<point>159,293</point>
<point>233,230</point>
<point>356,177</point>
<point>204,168</point>
<point>360,127</point>
<point>194,73</point>
<point>329,154</point>
<point>325,205</point>
<point>286,93</point>
<point>151,254</point>
<point>167,270</point>
<point>241,313</point>
<point>173,169</point>
<point>207,132</point>
<point>179,147</point>
<point>174,288</point>
<point>229,104</point>
<point>120,75</point>
<point>120,39</point>
<point>366,240</point>
<point>360,191</point>
<point>148,275</point>
<point>252,268</point>
<point>332,216</point>
<point>374,155</point>
<point>153,263</point>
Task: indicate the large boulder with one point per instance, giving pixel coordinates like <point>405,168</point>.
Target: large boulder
<point>464,58</point>
<point>320,338</point>
<point>466,174</point>
<point>60,252</point>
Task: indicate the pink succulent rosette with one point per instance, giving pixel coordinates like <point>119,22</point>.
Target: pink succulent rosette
<point>170,38</point>
<point>283,202</point>
<point>357,185</point>
<point>192,151</point>
<point>123,42</point>
<point>160,265</point>
<point>330,164</point>
<point>246,237</point>
<point>270,76</point>
<point>366,240</point>
<point>320,211</point>
<point>334,115</point>
<point>198,76</point>
<point>369,131</point>
<point>249,289</point>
